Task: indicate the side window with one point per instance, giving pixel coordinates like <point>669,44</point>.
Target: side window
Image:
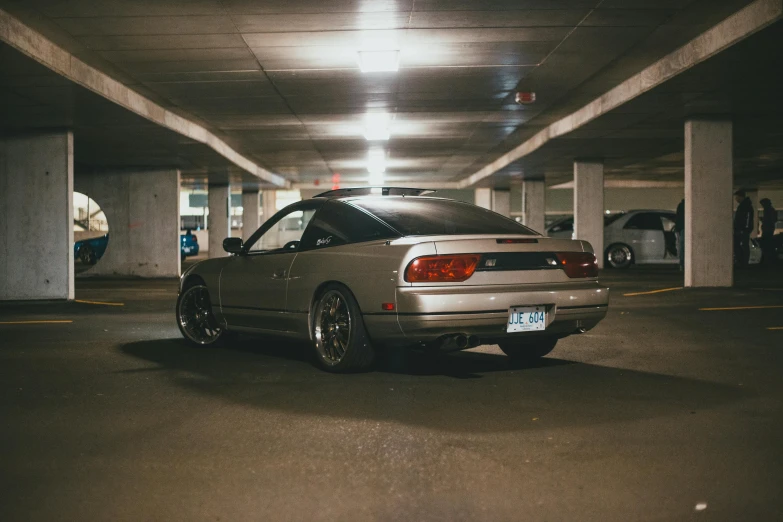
<point>285,234</point>
<point>339,224</point>
<point>644,221</point>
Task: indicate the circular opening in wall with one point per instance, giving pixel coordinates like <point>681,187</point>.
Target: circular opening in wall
<point>90,232</point>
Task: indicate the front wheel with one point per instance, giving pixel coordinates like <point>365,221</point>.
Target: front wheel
<point>195,318</point>
<point>619,256</point>
<point>339,336</point>
<point>527,350</point>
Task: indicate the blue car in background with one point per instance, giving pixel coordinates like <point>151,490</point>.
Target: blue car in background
<point>188,245</point>
<point>89,251</point>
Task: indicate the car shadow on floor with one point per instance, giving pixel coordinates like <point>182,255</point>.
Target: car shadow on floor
<point>417,391</point>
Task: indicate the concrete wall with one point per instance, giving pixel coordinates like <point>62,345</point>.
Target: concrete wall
<point>142,209</point>
<point>36,217</point>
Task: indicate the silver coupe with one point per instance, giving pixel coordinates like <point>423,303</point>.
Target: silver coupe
<point>354,270</point>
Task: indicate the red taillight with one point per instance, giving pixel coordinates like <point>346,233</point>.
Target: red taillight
<point>578,264</point>
<point>442,269</point>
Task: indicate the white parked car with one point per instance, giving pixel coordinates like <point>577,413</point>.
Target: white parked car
<point>638,236</point>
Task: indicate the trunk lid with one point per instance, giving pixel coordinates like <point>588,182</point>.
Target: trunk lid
<point>510,259</point>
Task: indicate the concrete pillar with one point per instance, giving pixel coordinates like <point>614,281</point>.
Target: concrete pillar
<point>484,198</point>
<point>501,202</point>
<point>218,223</point>
<point>36,217</point>
<point>589,205</point>
<point>251,213</point>
<point>268,203</point>
<point>496,200</point>
<point>534,205</point>
<point>754,198</point>
<point>708,203</point>
<point>142,209</point>
<point>310,193</point>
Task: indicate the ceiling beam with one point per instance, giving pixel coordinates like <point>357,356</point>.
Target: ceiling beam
<point>34,45</point>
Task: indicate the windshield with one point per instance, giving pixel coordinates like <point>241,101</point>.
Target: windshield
<point>435,217</point>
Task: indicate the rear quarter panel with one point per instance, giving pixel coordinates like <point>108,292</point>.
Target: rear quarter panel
<point>371,271</point>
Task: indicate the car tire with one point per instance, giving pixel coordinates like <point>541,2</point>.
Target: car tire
<point>195,319</point>
<point>340,339</point>
<point>619,255</point>
<point>522,351</point>
<point>87,255</point>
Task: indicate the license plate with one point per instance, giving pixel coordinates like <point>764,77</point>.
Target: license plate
<point>526,318</point>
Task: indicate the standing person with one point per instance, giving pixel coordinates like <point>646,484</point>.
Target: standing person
<point>768,223</point>
<point>743,226</point>
<point>679,228</point>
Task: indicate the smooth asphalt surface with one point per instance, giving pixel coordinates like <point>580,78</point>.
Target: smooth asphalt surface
<point>664,412</point>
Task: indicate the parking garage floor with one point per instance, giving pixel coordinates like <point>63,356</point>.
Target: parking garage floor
<point>666,411</point>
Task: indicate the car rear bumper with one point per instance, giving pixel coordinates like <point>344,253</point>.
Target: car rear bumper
<point>429,313</point>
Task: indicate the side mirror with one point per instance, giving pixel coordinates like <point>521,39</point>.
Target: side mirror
<point>232,245</point>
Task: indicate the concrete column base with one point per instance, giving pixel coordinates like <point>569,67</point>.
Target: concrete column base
<point>218,223</point>
<point>268,204</point>
<point>501,202</point>
<point>142,209</point>
<point>589,205</point>
<point>36,217</point>
<point>709,255</point>
<point>534,205</point>
<point>251,213</point>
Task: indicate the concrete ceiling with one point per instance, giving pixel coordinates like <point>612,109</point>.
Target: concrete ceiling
<point>278,80</point>
<point>644,138</point>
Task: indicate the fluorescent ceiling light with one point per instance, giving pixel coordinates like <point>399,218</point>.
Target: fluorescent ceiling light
<point>379,61</point>
<point>376,126</point>
<point>376,161</point>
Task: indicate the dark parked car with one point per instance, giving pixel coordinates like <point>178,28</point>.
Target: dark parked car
<point>89,251</point>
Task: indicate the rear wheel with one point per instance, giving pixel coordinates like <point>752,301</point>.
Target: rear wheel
<point>619,256</point>
<point>340,339</point>
<point>528,350</point>
<point>195,318</point>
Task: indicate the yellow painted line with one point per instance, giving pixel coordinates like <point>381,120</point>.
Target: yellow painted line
<point>654,291</point>
<point>97,302</point>
<point>740,308</point>
<point>775,328</point>
<point>36,322</point>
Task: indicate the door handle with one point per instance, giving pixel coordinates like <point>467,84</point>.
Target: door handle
<point>279,273</point>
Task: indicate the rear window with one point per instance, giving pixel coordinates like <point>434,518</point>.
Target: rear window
<point>435,217</point>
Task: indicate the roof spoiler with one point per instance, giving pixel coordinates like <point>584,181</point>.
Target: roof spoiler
<point>374,191</point>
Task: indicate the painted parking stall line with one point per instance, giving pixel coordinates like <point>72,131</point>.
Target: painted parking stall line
<point>650,292</point>
<point>102,303</point>
<point>726,308</point>
<point>36,322</point>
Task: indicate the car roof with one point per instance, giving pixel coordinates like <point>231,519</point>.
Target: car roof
<point>374,191</point>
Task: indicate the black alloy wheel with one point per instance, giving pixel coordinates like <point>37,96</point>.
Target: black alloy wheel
<point>195,318</point>
<point>339,336</point>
